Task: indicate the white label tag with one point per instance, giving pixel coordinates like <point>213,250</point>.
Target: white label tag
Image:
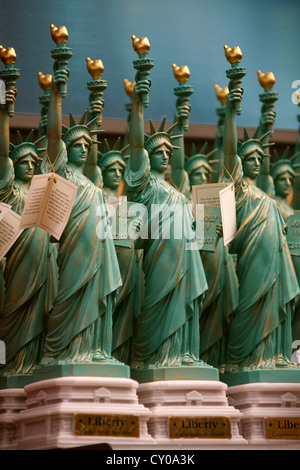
<point>49,204</point>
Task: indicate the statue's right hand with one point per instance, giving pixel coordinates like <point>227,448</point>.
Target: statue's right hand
<point>234,96</point>
<point>142,86</point>
<point>10,96</point>
<point>60,76</point>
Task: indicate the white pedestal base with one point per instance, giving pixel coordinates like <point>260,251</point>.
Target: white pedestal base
<point>12,401</point>
<point>258,401</point>
<point>188,399</point>
<point>48,422</point>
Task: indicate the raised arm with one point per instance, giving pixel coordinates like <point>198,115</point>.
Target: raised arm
<point>177,161</point>
<point>230,131</point>
<point>10,97</point>
<point>136,126</point>
<point>54,127</point>
<point>94,111</point>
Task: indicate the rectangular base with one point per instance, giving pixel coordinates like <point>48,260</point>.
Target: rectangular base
<point>80,370</point>
<point>15,381</point>
<point>175,373</point>
<point>262,375</point>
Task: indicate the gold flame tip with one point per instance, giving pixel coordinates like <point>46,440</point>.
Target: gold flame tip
<point>141,46</point>
<point>181,74</point>
<point>266,80</point>
<point>95,67</point>
<point>128,86</point>
<point>8,56</point>
<point>59,35</point>
<point>44,81</point>
<point>221,93</point>
<point>233,55</point>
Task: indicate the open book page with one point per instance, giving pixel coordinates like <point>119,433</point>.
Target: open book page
<point>34,201</point>
<point>4,208</point>
<point>208,196</point>
<point>49,204</point>
<point>122,221</point>
<point>228,211</point>
<point>9,231</point>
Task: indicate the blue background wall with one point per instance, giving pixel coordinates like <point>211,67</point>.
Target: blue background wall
<point>190,32</point>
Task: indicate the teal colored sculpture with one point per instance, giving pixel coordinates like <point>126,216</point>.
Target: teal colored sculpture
<point>27,270</point>
<point>221,297</point>
<point>266,127</point>
<point>295,203</point>
<point>221,93</point>
<point>45,84</point>
<point>80,322</point>
<point>112,163</point>
<point>128,87</point>
<point>283,173</point>
<point>260,334</point>
<point>167,331</point>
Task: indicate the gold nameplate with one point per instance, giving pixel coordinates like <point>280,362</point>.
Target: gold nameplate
<point>201,427</point>
<point>282,428</point>
<point>106,425</point>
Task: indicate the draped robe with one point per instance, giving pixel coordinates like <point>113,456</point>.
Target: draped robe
<point>168,325</point>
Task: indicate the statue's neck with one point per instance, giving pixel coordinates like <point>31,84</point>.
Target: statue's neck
<point>77,168</point>
<point>159,175</point>
<point>111,193</point>
<point>251,180</point>
<point>23,184</point>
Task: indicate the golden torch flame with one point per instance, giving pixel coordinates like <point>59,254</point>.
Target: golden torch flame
<point>233,55</point>
<point>266,80</point>
<point>8,56</point>
<point>95,67</point>
<point>59,35</point>
<point>141,46</point>
<point>221,93</point>
<point>128,86</point>
<point>44,81</point>
<point>181,74</point>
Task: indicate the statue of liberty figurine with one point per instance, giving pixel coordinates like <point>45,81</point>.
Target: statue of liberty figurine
<point>283,172</point>
<point>167,331</point>
<point>29,288</point>
<point>80,322</point>
<point>112,163</point>
<point>221,297</point>
<point>260,335</point>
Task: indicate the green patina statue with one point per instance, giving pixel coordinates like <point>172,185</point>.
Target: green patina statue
<point>260,334</point>
<point>222,296</point>
<point>167,330</point>
<point>283,173</point>
<point>112,163</point>
<point>29,274</point>
<point>80,322</point>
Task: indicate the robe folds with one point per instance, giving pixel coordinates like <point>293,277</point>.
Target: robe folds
<point>268,286</point>
<point>168,324</point>
<point>29,286</point>
<point>80,321</point>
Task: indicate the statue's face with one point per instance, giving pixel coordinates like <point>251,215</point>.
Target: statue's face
<point>24,169</point>
<point>283,184</point>
<point>199,176</point>
<point>252,165</point>
<point>112,176</point>
<point>78,151</point>
<point>160,159</point>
